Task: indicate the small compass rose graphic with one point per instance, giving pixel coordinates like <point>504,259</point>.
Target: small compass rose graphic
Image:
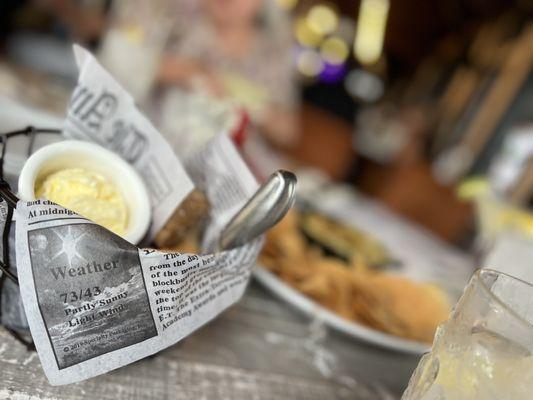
<point>69,243</point>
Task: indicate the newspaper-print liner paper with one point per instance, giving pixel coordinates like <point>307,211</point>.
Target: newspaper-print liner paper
<point>102,111</point>
<point>95,302</point>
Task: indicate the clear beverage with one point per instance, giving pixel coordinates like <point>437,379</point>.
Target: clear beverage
<point>484,351</point>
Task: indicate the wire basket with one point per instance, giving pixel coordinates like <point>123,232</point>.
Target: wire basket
<point>9,280</point>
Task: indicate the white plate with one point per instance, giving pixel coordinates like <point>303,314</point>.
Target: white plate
<point>424,258</point>
<point>314,310</point>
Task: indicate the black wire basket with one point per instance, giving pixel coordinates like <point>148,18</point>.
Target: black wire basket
<point>12,316</point>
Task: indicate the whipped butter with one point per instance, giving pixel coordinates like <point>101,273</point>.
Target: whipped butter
<point>88,194</point>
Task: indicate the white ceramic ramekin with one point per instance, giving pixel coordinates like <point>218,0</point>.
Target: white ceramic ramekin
<point>80,154</point>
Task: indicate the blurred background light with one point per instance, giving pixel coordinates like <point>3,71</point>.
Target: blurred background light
<point>305,35</point>
<point>322,19</point>
<point>364,86</point>
<point>309,63</point>
<point>332,73</point>
<point>370,32</point>
<point>287,4</point>
<point>334,50</point>
<point>346,29</point>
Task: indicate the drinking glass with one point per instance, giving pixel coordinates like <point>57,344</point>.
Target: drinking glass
<point>484,351</point>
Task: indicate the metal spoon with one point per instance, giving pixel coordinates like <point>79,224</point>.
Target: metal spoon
<point>268,206</point>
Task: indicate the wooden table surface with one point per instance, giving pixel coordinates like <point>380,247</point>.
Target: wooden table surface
<point>261,348</point>
<point>258,349</point>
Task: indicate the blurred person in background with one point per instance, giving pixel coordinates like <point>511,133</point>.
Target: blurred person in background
<point>208,61</point>
<point>238,49</point>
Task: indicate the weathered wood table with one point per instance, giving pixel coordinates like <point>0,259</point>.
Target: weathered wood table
<point>258,349</point>
<point>261,348</point>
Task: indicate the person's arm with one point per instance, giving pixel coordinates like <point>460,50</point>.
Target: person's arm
<point>280,119</point>
<point>177,71</point>
<point>180,71</point>
<point>279,125</point>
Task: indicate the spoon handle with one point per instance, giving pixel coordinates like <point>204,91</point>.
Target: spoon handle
<point>266,207</point>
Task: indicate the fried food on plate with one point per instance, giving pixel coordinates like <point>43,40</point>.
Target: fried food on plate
<point>352,289</point>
